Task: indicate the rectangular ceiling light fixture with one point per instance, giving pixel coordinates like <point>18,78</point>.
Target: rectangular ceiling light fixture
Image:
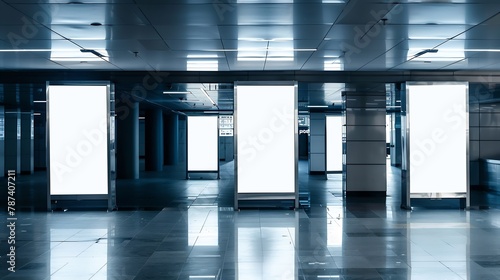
<point>202,65</point>
<point>206,94</point>
<point>261,49</point>
<point>176,92</point>
<point>26,50</point>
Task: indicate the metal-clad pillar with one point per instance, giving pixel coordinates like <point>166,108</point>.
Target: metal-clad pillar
<point>365,143</point>
<point>127,143</point>
<point>171,139</point>
<point>317,152</point>
<point>154,140</point>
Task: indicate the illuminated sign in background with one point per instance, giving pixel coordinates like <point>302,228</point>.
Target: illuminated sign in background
<point>226,126</point>
<point>78,135</point>
<point>202,138</point>
<point>438,138</point>
<point>333,143</point>
<point>266,138</point>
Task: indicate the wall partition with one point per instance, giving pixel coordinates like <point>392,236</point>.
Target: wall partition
<point>80,124</point>
<point>265,123</point>
<point>437,137</point>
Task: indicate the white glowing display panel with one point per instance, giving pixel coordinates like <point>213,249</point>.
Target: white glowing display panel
<point>266,152</point>
<point>333,143</point>
<point>203,143</point>
<point>78,138</point>
<point>438,138</point>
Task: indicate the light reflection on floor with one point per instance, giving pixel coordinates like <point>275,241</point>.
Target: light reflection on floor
<point>191,232</point>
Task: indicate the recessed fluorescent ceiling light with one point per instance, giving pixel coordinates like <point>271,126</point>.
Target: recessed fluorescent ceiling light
<point>265,40</point>
<point>433,55</point>
<point>26,50</point>
<point>208,96</point>
<point>333,66</point>
<point>317,106</point>
<point>202,56</point>
<point>97,55</point>
<point>202,65</point>
<point>265,59</point>
<point>176,92</point>
<point>482,50</point>
<point>261,49</point>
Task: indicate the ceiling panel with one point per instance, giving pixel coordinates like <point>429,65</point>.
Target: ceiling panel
<point>181,45</point>
<point>183,32</point>
<point>86,32</point>
<point>441,13</point>
<point>257,14</point>
<point>82,14</point>
<point>364,13</point>
<point>37,63</point>
<point>199,14</point>
<point>382,63</point>
<point>19,35</point>
<point>182,35</point>
<point>11,16</point>
<point>269,32</point>
<point>481,32</point>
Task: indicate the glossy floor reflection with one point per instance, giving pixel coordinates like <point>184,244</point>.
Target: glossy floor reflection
<point>188,230</point>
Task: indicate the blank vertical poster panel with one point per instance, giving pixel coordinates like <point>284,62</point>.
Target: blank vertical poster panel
<point>438,138</point>
<point>265,123</point>
<point>78,138</point>
<point>333,143</point>
<point>203,143</point>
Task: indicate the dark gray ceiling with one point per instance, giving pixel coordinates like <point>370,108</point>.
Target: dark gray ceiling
<point>232,35</point>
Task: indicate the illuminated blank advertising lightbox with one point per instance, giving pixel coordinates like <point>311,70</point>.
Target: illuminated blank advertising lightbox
<point>266,138</point>
<point>437,118</point>
<point>78,139</point>
<point>203,143</point>
<point>333,143</point>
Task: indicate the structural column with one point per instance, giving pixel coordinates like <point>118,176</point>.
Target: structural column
<point>27,146</point>
<point>365,146</point>
<point>171,139</point>
<point>27,129</point>
<point>317,155</point>
<point>2,141</point>
<point>127,143</point>
<point>396,148</point>
<point>154,140</point>
<point>12,128</point>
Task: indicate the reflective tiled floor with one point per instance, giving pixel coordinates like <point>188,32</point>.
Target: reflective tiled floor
<point>177,229</point>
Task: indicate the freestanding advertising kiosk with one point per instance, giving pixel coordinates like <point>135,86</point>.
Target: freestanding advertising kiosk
<point>334,127</point>
<point>81,144</point>
<point>437,142</point>
<point>202,144</point>
<point>266,141</point>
